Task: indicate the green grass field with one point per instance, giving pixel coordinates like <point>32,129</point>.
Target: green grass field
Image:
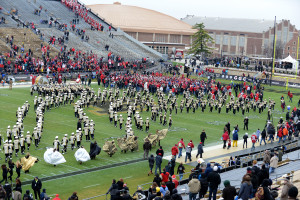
<point>61,121</point>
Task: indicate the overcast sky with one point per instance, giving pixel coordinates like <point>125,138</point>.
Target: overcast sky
<point>252,9</point>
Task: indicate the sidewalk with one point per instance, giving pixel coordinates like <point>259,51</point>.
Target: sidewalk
<point>216,153</point>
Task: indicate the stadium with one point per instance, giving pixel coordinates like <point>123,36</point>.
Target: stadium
<point>92,109</point>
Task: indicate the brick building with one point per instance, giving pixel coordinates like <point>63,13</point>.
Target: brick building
<point>154,29</point>
<point>249,37</point>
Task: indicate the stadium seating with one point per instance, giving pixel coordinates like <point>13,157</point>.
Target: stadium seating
<point>119,45</point>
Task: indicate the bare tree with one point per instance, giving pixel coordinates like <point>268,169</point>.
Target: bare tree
<point>269,52</point>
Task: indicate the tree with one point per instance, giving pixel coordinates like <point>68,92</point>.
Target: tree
<point>269,51</point>
<point>200,41</point>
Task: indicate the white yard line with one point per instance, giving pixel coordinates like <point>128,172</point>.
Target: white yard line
<point>91,186</point>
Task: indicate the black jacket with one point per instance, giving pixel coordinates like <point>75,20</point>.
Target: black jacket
<point>36,185</point>
<point>213,179</point>
<point>203,136</point>
<point>147,146</point>
<point>229,193</point>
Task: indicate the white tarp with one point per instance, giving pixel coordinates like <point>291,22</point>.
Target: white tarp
<point>289,59</point>
<point>53,157</point>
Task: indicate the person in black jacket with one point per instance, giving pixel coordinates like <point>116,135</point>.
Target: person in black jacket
<point>170,185</point>
<point>147,148</point>
<point>4,173</point>
<point>214,180</point>
<point>157,179</point>
<point>265,184</point>
<point>229,191</point>
<point>263,136</point>
<point>113,190</point>
<point>36,186</point>
<point>120,184</point>
<point>204,185</point>
<point>160,151</point>
<point>151,161</point>
<point>203,137</point>
<point>175,195</point>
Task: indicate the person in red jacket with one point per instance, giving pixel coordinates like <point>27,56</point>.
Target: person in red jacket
<point>253,140</point>
<point>174,151</point>
<point>56,197</point>
<point>191,144</point>
<point>165,176</point>
<point>225,137</point>
<point>180,147</point>
<point>175,181</point>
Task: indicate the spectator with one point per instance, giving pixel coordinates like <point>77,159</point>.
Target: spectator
<point>151,162</point>
<point>194,187</point>
<point>171,185</point>
<point>293,193</point>
<point>287,185</point>
<point>188,154</point>
<point>2,192</point>
<point>36,186</point>
<point>17,194</point>
<point>180,147</point>
<point>273,163</point>
<point>44,196</point>
<point>158,161</point>
<point>126,196</point>
<point>267,158</point>
<point>204,185</point>
<point>180,171</point>
<point>165,175</point>
<point>263,136</point>
<point>213,180</point>
<point>200,150</point>
<point>246,188</point>
<point>175,181</point>
<point>175,195</point>
<point>163,188</point>
<point>208,169</point>
<point>157,179</point>
<point>113,190</point>
<point>56,197</point>
<point>174,150</point>
<point>27,196</point>
<point>203,137</point>
<point>235,138</point>
<point>245,137</point>
<point>229,191</point>
<point>120,184</point>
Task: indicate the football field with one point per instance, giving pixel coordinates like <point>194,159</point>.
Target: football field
<point>60,121</point>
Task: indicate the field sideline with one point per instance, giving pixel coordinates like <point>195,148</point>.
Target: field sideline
<point>61,121</point>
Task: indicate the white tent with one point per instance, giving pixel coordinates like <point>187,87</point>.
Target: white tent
<point>289,59</point>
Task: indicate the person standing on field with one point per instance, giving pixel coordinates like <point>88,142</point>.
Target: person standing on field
<point>203,137</point>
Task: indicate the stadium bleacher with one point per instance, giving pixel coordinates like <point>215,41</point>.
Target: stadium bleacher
<point>118,45</point>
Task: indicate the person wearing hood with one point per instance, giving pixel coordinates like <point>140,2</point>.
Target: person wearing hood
<point>44,195</point>
<point>208,169</point>
<point>265,185</point>
<point>194,187</point>
<point>246,188</point>
<point>263,136</point>
<point>113,190</point>
<point>229,191</point>
<point>200,150</point>
<point>214,181</point>
<point>285,189</point>
<point>174,150</point>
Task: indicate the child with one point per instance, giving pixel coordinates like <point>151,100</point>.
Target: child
<point>229,143</point>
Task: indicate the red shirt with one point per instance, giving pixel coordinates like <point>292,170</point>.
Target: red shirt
<point>165,177</point>
<point>174,150</point>
<point>253,138</point>
<point>175,182</point>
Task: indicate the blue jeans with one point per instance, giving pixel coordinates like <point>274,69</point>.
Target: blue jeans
<point>279,139</point>
<point>283,138</point>
<point>159,167</point>
<point>180,152</point>
<point>253,147</point>
<point>271,138</point>
<point>271,170</point>
<point>180,177</point>
<point>188,156</point>
<point>263,139</point>
<point>212,192</point>
<point>192,196</point>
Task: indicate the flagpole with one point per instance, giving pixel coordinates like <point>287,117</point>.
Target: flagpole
<point>274,50</point>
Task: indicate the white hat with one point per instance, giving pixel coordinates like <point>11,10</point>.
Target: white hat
<point>120,115</point>
<point>17,122</point>
<point>91,120</point>
<point>77,131</point>
<point>21,135</point>
<point>9,141</point>
<point>8,126</point>
<point>28,131</point>
<point>215,168</point>
<point>56,137</point>
<point>5,141</point>
<point>34,128</point>
<point>72,133</point>
<point>246,133</point>
<point>66,134</point>
<point>16,137</point>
